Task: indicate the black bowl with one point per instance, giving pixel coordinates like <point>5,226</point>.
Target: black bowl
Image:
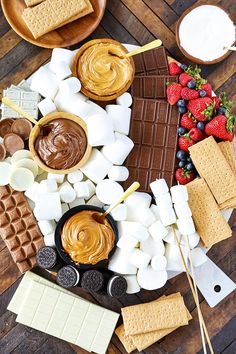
<point>64,255</point>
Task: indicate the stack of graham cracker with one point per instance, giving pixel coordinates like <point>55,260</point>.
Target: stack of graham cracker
<point>214,191</point>
<point>144,324</point>
<point>48,15</point>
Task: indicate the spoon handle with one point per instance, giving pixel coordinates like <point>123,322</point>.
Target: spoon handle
<point>154,44</point>
<point>125,195</point>
<point>8,102</point>
<point>230,48</point>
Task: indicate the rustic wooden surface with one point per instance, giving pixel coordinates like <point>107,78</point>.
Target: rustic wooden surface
<point>135,22</point>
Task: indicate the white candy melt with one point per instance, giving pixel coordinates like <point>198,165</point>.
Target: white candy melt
<point>205,31</point>
<point>127,242</point>
<point>47,226</point>
<point>120,263</point>
<point>198,257</point>
<point>62,70</point>
<point>159,187</point>
<point>179,194</point>
<point>45,82</point>
<point>159,262</point>
<point>132,284</point>
<point>151,279</point>
<point>97,167</point>
<point>82,189</point>
<point>186,226</point>
<point>118,173</point>
<point>76,176</point>
<point>153,248</point>
<point>5,173</point>
<point>120,117</point>
<point>46,106</point>
<point>47,186</point>
<point>119,150</point>
<point>139,258</point>
<point>158,231</point>
<point>48,206</point>
<point>70,85</point>
<point>67,193</point>
<point>100,130</point>
<point>59,178</point>
<point>182,210</point>
<point>125,99</point>
<point>21,179</point>
<point>109,191</point>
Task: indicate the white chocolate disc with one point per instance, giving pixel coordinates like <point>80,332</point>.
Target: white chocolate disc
<point>29,164</point>
<point>19,155</point>
<point>5,173</point>
<point>21,179</point>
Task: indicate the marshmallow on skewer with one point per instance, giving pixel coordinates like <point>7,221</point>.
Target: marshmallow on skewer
<point>62,70</point>
<point>174,260</point>
<point>47,226</point>
<point>74,177</point>
<point>139,258</point>
<point>125,99</point>
<point>100,130</point>
<point>59,178</point>
<point>186,226</point>
<point>132,284</point>
<point>82,189</point>
<point>97,167</point>
<point>47,186</point>
<point>120,262</point>
<point>49,240</point>
<point>198,256</point>
<point>47,106</point>
<point>48,206</point>
<point>109,191</point>
<point>76,202</point>
<point>151,279</point>
<point>118,173</point>
<point>170,237</point>
<point>120,117</point>
<point>61,54</point>
<point>67,193</point>
<point>153,248</point>
<point>159,187</point>
<point>158,231</point>
<point>70,86</point>
<point>45,82</point>
<point>119,150</point>
<point>164,200</point>
<point>159,262</point>
<point>127,242</point>
<point>182,210</point>
<point>193,240</point>
<point>179,193</point>
<point>155,210</point>
<point>167,215</point>
<point>95,201</point>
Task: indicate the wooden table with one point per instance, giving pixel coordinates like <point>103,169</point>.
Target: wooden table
<point>134,22</point>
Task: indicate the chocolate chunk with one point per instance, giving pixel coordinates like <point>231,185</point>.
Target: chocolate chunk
<point>151,86</point>
<point>152,62</point>
<point>5,126</point>
<point>92,280</point>
<point>2,152</point>
<point>68,277</point>
<point>22,127</point>
<point>153,129</point>
<point>117,286</point>
<point>46,257</point>
<point>13,143</point>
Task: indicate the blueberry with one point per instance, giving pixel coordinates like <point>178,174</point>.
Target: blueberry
<point>202,93</point>
<point>181,155</point>
<point>191,84</point>
<point>189,159</point>
<point>181,131</point>
<point>181,103</point>
<point>221,111</point>
<point>181,164</point>
<point>182,109</point>
<point>183,66</point>
<point>190,166</point>
<point>200,125</point>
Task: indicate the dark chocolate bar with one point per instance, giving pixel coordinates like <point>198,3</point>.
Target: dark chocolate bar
<point>151,86</point>
<point>152,62</point>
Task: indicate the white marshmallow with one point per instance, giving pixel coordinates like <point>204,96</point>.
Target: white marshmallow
<point>153,248</point>
<point>125,99</point>
<point>95,201</point>
<point>151,279</point>
<point>70,85</point>
<point>174,261</point>
<point>119,150</point>
<point>120,117</point>
<point>64,208</point>
<point>47,226</point>
<point>46,106</point>
<point>132,284</point>
<point>61,54</point>
<point>159,187</point>
<point>119,213</point>
<point>95,108</point>
<point>132,213</point>
<point>72,104</point>
<point>91,187</point>
<point>97,167</point>
<point>133,228</point>
<point>127,242</point>
<point>167,215</point>
<point>45,82</point>
<point>120,263</point>
<point>182,210</point>
<point>164,201</point>
<point>31,204</point>
<point>109,191</point>
<point>198,256</point>
<point>159,262</point>
<point>62,70</point>
<point>76,202</point>
<point>139,258</point>
<point>146,216</point>
<point>158,231</point>
<point>179,194</point>
<point>32,191</point>
<point>59,178</point>
<point>186,226</point>
<point>49,240</point>
<point>74,177</point>
<point>67,193</point>
<point>82,189</point>
<point>170,237</point>
<point>48,206</point>
<point>100,130</point>
<point>193,240</point>
<point>139,199</point>
<point>47,186</point>
<point>118,173</point>
<point>155,210</point>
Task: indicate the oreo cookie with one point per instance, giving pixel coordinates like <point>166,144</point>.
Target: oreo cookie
<point>92,280</point>
<point>68,277</point>
<point>47,258</point>
<point>117,286</point>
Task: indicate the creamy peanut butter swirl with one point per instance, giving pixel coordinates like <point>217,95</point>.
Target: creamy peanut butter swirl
<point>101,72</point>
<point>61,144</point>
<point>86,240</point>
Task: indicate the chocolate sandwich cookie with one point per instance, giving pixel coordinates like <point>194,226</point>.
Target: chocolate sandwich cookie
<point>117,286</point>
<point>68,277</point>
<point>92,280</point>
<point>151,62</point>
<point>151,86</point>
<point>47,258</point>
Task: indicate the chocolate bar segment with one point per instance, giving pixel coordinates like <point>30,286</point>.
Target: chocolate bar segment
<point>19,228</point>
<point>152,62</point>
<point>154,125</point>
<point>151,86</point>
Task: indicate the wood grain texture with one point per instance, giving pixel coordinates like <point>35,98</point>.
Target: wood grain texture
<point>135,22</point>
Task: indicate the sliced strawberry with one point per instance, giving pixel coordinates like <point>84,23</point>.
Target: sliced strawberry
<point>173,92</point>
<point>185,142</point>
<point>196,134</point>
<point>184,176</point>
<point>201,108</point>
<point>189,94</point>
<point>221,127</point>
<point>188,121</point>
<point>174,68</point>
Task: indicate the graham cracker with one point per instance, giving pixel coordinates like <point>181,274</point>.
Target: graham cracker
<point>209,222</point>
<point>213,167</point>
<point>125,340</point>
<point>227,150</point>
<point>33,2</point>
<point>230,203</point>
<point>51,14</point>
<point>143,318</point>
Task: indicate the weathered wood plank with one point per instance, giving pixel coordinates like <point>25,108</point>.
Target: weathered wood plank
<point>8,41</point>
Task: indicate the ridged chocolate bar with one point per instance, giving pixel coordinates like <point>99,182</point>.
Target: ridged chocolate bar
<point>151,86</point>
<point>154,125</point>
<point>152,62</point>
<point>19,228</point>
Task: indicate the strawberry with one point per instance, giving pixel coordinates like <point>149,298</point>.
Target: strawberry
<point>173,92</point>
<point>221,127</point>
<point>207,87</point>
<point>184,176</point>
<point>216,101</point>
<point>189,94</point>
<point>201,108</point>
<point>188,121</point>
<point>189,74</point>
<point>184,78</point>
<point>174,68</point>
<point>196,134</point>
<point>185,142</point>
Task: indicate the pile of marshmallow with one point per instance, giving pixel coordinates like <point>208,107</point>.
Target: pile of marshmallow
<point>147,248</point>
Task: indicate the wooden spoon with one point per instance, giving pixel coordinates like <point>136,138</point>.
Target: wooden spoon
<point>100,217</point>
<point>154,44</point>
<point>8,102</point>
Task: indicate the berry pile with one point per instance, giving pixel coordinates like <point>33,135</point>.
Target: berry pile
<point>202,115</point>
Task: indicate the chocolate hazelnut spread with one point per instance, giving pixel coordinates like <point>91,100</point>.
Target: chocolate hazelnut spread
<point>61,144</point>
<point>86,240</point>
<point>102,71</point>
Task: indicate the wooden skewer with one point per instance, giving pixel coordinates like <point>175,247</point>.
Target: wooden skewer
<point>193,292</point>
<point>8,102</point>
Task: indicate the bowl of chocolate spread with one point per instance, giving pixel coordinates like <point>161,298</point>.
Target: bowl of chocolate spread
<point>83,242</point>
<point>59,143</point>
